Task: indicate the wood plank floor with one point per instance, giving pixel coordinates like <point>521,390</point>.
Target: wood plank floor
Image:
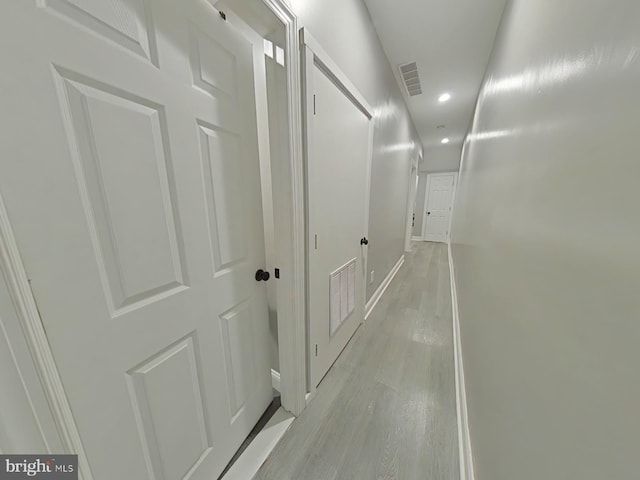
<point>386,409</point>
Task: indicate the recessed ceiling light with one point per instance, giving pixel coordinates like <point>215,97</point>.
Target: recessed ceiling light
<point>445,140</point>
<point>445,97</point>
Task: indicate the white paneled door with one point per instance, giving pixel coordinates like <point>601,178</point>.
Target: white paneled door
<point>438,205</point>
<point>131,178</point>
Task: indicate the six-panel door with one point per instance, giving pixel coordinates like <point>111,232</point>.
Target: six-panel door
<point>439,199</point>
<point>131,178</point>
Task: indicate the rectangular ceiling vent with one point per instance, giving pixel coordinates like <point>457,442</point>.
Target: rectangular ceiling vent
<point>411,79</point>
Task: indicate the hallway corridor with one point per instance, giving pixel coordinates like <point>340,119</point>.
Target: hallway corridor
<point>386,409</point>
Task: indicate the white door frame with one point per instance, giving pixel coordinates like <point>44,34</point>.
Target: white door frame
<point>426,199</point>
<point>291,294</point>
<point>289,218</point>
<point>312,54</point>
<point>411,199</point>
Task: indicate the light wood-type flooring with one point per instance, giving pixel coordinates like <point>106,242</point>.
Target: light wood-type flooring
<point>386,409</point>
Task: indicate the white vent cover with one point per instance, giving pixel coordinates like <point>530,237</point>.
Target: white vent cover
<point>411,78</point>
<point>342,294</point>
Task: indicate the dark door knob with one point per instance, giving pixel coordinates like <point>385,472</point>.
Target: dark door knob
<point>262,275</point>
<point>428,213</point>
<point>364,241</point>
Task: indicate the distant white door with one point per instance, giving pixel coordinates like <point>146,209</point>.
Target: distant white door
<point>438,204</point>
<point>339,149</point>
<point>131,178</point>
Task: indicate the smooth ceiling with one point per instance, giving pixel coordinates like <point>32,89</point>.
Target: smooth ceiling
<point>451,41</point>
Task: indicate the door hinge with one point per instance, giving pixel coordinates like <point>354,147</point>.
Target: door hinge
<point>222,15</point>
<point>316,241</point>
<point>316,349</point>
<point>314,104</point>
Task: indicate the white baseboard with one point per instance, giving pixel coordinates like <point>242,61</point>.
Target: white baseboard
<point>464,438</point>
<point>417,239</point>
<point>275,380</point>
<point>375,298</point>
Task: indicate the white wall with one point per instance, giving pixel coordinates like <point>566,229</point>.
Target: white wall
<point>546,246</point>
<point>442,158</point>
<point>345,31</point>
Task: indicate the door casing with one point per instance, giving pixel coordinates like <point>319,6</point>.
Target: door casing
<point>411,199</point>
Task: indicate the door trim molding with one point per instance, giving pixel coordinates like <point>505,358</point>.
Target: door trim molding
<point>334,72</point>
<point>377,295</point>
<point>314,54</point>
<point>36,338</point>
<point>289,213</point>
<point>426,204</point>
<point>464,437</point>
<point>411,200</point>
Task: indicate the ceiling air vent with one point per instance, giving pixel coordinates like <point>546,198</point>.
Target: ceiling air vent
<point>411,79</point>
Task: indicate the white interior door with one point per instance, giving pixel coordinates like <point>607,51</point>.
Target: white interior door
<point>339,149</point>
<point>438,203</point>
<point>131,178</point>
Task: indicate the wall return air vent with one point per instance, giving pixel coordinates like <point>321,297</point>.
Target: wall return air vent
<point>411,78</point>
